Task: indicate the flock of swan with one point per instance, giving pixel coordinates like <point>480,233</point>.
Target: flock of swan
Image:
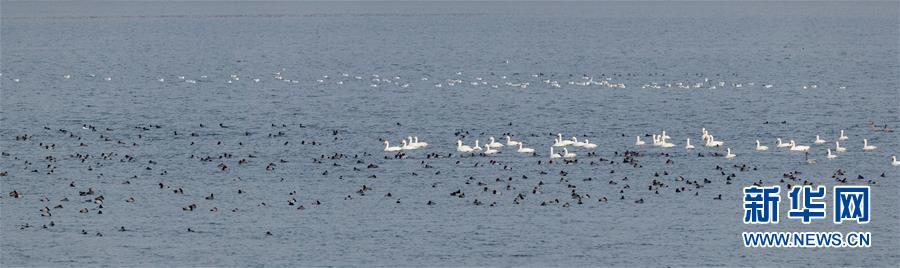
<point>491,80</point>
<point>658,140</point>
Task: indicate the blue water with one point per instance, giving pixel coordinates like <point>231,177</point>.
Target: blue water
<point>844,54</point>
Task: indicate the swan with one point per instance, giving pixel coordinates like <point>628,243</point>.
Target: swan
<point>407,146</point>
<point>639,142</point>
<point>476,148</point>
<point>420,144</point>
<point>782,145</point>
<point>819,140</point>
<point>838,148</point>
<point>729,155</point>
<point>564,142</point>
<point>462,148</point>
<point>493,144</point>
<point>558,143</point>
<point>524,150</point>
<point>389,148</point>
<point>798,148</point>
<point>511,142</point>
<point>664,136</point>
<point>689,146</point>
<point>577,143</point>
<point>760,147</point>
<point>553,155</point>
<point>830,156</point>
<point>712,142</point>
<point>843,137</point>
<point>567,154</point>
<point>588,144</point>
<point>894,161</point>
<point>489,151</point>
<point>867,147</point>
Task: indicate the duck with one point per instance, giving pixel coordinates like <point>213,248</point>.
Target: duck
<point>760,147</point>
<point>588,144</point>
<point>830,156</point>
<point>838,148</point>
<point>867,147</point>
<point>567,154</point>
<point>524,150</point>
<point>798,148</point>
<point>729,155</point>
<point>554,155</point>
<point>639,142</point>
<point>781,144</point>
<point>819,140</point>
<point>493,144</point>
<point>689,145</point>
<point>510,142</point>
<point>462,148</point>
<point>842,137</point>
<point>389,148</point>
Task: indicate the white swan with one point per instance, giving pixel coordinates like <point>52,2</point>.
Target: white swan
<point>476,148</point>
<point>639,142</point>
<point>830,156</point>
<point>798,148</point>
<point>664,136</point>
<point>420,144</point>
<point>563,141</point>
<point>489,151</point>
<point>894,161</point>
<point>712,142</point>
<point>567,154</point>
<point>389,148</point>
<point>524,150</point>
<point>867,147</point>
<point>729,155</point>
<point>407,146</point>
<point>819,140</point>
<point>760,147</point>
<point>553,155</point>
<point>588,144</point>
<point>558,143</point>
<point>493,144</point>
<point>577,143</point>
<point>511,142</point>
<point>462,148</point>
<point>838,148</point>
<point>689,145</point>
<point>843,137</point>
<point>782,145</point>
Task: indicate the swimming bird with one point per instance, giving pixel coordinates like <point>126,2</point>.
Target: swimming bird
<point>489,151</point>
<point>389,148</point>
<point>843,137</point>
<point>867,147</point>
<point>463,148</point>
<point>689,145</point>
<point>819,140</point>
<point>712,142</point>
<point>729,155</point>
<point>588,144</point>
<point>493,144</point>
<point>553,155</point>
<point>760,147</point>
<point>420,144</point>
<point>563,141</point>
<point>838,148</point>
<point>798,148</point>
<point>782,145</point>
<point>639,142</point>
<point>558,143</point>
<point>510,142</point>
<point>476,148</point>
<point>830,156</point>
<point>407,146</point>
<point>567,154</point>
<point>894,161</point>
<point>577,143</point>
<point>524,150</point>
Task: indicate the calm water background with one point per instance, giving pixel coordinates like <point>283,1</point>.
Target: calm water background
<point>789,45</point>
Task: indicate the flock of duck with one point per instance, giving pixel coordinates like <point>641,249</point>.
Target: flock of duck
<point>658,140</point>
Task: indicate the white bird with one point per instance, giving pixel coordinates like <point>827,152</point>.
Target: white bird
<point>524,150</point>
<point>782,145</point>
<point>819,140</point>
<point>420,144</point>
<point>712,142</point>
<point>493,144</point>
<point>639,142</point>
<point>567,154</point>
<point>760,147</point>
<point>511,142</point>
<point>476,148</point>
<point>689,145</point>
<point>830,156</point>
<point>407,146</point>
<point>588,144</point>
<point>867,147</point>
<point>558,143</point>
<point>562,141</point>
<point>838,148</point>
<point>389,148</point>
<point>553,155</point>
<point>577,143</point>
<point>894,161</point>
<point>842,137</point>
<point>798,148</point>
<point>489,151</point>
<point>729,155</point>
<point>462,148</point>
